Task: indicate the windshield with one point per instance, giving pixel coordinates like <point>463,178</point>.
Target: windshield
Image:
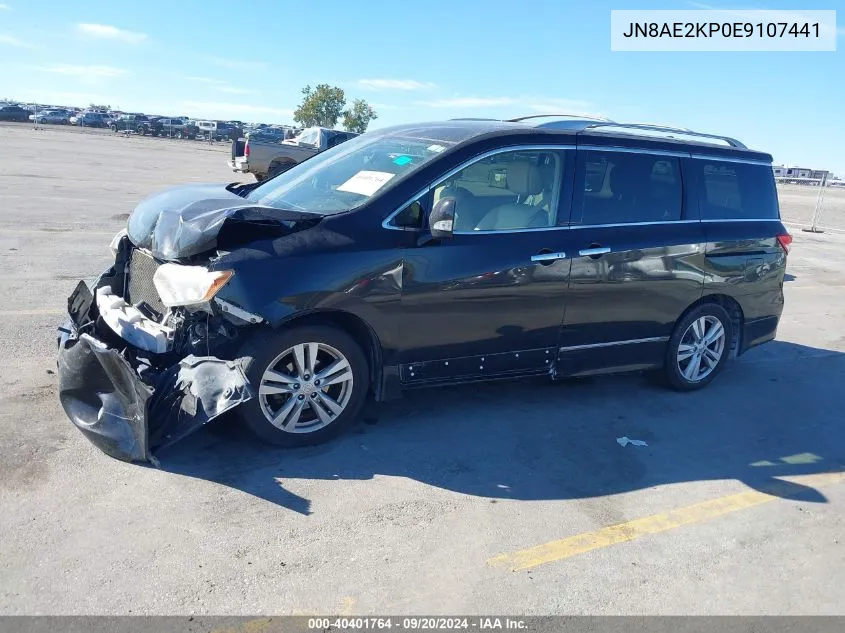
<point>346,176</point>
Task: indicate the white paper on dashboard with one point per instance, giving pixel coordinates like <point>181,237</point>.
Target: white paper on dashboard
<point>365,182</point>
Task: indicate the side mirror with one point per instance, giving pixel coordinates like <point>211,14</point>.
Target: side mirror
<point>441,220</point>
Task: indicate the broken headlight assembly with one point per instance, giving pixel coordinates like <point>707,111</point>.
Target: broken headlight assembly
<point>179,285</point>
<point>114,245</point>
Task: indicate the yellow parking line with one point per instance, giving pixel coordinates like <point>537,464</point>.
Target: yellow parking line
<point>630,530</point>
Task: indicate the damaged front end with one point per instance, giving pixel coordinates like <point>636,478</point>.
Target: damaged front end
<point>149,354</point>
<point>133,383</point>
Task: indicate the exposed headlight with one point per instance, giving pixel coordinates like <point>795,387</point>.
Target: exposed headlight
<point>179,285</point>
<point>115,242</point>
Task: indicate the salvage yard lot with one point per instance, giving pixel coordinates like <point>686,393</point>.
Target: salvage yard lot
<point>506,498</point>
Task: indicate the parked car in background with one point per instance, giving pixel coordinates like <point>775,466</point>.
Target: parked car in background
<point>175,128</point>
<point>91,119</point>
<point>55,117</point>
<point>218,130</point>
<point>268,158</point>
<point>426,255</point>
<point>271,134</point>
<point>138,123</point>
<point>13,112</point>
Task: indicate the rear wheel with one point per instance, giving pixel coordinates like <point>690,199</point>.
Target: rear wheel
<point>278,168</point>
<point>698,348</point>
<point>310,384</point>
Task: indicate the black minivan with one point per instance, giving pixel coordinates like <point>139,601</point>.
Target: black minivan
<point>420,255</point>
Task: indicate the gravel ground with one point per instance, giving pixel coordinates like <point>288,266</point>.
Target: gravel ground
<point>405,515</point>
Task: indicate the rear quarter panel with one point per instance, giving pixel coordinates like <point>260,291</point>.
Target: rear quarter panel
<point>744,261</point>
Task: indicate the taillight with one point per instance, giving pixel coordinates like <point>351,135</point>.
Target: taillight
<point>246,152</point>
<point>784,239</point>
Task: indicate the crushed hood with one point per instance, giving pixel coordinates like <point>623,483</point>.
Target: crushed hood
<point>185,221</point>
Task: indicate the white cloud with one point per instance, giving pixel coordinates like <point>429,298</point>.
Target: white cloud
<point>235,64</point>
<point>5,7</point>
<point>108,32</point>
<point>469,102</point>
<point>13,41</point>
<point>220,86</point>
<point>558,106</point>
<point>395,84</point>
<point>204,80</point>
<point>216,109</point>
<point>86,72</point>
<point>234,91</point>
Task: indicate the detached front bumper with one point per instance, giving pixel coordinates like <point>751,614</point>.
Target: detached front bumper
<point>127,417</point>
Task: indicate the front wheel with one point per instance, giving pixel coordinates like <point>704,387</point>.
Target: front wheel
<point>310,384</point>
<point>698,348</point>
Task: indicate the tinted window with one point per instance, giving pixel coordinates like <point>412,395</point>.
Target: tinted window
<point>411,217</point>
<point>625,187</point>
<point>336,139</point>
<point>736,190</point>
<point>506,192</point>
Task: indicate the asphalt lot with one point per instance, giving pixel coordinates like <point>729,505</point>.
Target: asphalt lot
<point>507,498</point>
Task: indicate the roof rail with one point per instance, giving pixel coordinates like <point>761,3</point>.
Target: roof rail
<point>667,130</point>
<point>685,129</point>
<point>586,117</point>
<point>581,122</point>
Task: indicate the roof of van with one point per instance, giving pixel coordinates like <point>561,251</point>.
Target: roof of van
<point>585,131</point>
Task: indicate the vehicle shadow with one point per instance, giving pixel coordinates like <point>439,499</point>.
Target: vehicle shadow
<point>774,412</point>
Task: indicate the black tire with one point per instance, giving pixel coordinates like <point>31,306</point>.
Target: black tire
<point>672,370</point>
<point>263,348</point>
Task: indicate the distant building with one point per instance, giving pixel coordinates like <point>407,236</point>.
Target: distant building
<point>791,171</point>
<point>787,172</point>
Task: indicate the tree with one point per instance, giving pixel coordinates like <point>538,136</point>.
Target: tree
<point>321,106</point>
<point>358,117</point>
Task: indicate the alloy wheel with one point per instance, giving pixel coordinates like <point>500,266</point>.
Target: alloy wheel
<point>701,348</point>
<point>305,388</point>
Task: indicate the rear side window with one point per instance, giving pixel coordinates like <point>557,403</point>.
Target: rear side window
<point>736,191</point>
<point>626,187</point>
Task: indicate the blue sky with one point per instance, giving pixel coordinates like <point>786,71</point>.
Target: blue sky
<point>419,61</point>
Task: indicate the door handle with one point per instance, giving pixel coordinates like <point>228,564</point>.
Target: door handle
<point>594,251</point>
<point>547,257</point>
